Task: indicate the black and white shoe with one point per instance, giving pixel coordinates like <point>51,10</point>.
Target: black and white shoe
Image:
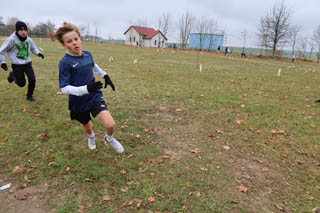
<point>30,98</point>
<point>10,77</point>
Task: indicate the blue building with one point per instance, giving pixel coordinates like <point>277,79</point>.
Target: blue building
<point>209,41</point>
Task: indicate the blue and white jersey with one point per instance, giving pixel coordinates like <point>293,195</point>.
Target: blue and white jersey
<point>78,71</point>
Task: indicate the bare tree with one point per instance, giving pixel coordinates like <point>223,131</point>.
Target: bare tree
<point>2,25</point>
<point>202,27</point>
<point>82,29</point>
<point>294,36</point>
<point>11,25</point>
<point>185,25</point>
<point>212,28</point>
<point>316,39</point>
<point>311,45</point>
<point>244,35</point>
<point>262,35</point>
<point>164,23</point>
<point>276,26</point>
<point>88,29</point>
<point>303,45</point>
<point>96,31</point>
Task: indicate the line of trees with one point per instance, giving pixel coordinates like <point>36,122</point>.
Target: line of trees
<point>40,30</point>
<point>276,31</point>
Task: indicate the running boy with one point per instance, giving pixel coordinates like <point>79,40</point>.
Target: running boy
<point>76,79</point>
<point>18,47</point>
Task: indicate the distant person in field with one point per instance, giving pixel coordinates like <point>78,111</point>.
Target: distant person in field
<point>18,47</point>
<point>76,79</point>
<point>243,52</point>
<point>293,59</point>
<point>227,51</point>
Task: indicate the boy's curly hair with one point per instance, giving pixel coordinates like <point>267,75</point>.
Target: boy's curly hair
<point>66,27</point>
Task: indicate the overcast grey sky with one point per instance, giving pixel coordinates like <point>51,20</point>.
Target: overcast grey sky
<point>114,17</point>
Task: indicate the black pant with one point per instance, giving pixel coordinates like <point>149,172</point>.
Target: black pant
<point>19,78</point>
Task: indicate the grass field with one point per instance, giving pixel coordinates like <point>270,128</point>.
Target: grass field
<point>232,138</point>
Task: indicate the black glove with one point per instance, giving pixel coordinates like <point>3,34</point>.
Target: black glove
<point>4,66</point>
<point>41,55</point>
<point>107,81</point>
<point>93,87</point>
<point>317,101</point>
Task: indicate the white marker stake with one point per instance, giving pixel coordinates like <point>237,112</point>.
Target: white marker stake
<point>200,67</point>
<point>7,186</point>
<point>135,61</point>
<point>279,71</point>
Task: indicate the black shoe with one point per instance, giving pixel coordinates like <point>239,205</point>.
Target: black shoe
<point>30,98</point>
<point>318,101</point>
<point>10,77</point>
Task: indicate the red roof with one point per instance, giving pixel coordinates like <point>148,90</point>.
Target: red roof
<point>146,32</point>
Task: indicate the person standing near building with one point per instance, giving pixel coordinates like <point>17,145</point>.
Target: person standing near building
<point>18,47</point>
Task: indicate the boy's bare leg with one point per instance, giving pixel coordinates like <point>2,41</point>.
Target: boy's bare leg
<point>109,125</point>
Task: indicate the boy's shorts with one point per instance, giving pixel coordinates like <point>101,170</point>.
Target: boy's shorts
<point>84,117</point>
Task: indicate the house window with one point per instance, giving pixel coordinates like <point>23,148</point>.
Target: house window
<point>155,42</point>
<point>130,38</point>
<point>134,39</point>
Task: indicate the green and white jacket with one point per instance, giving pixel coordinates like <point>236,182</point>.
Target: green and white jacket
<point>18,51</point>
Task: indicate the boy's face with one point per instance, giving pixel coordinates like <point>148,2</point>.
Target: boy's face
<point>23,33</point>
<point>72,42</point>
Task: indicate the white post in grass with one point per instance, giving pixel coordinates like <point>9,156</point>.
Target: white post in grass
<point>200,67</point>
<point>279,71</point>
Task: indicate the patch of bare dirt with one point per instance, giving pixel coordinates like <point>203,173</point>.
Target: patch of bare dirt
<point>26,200</point>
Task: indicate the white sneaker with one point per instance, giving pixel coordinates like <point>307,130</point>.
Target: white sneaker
<point>91,142</point>
<point>114,143</point>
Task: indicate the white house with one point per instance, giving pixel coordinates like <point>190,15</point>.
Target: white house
<point>144,36</point>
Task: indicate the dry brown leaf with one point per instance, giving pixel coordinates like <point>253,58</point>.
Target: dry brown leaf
<point>196,150</point>
<point>162,108</point>
<point>274,131</point>
<point>249,144</point>
<point>106,198</point>
<point>137,202</point>
<point>219,131</point>
<point>226,147</point>
<point>151,199</point>
<point>123,172</point>
<point>203,169</point>
<point>178,110</point>
<point>81,208</point>
<point>16,170</point>
<point>35,114</point>
<point>21,196</point>
<point>125,189</point>
<point>24,110</point>
<point>165,157</point>
<point>246,176</point>
<point>67,169</point>
<point>242,189</point>
<point>240,122</point>
<point>59,93</point>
